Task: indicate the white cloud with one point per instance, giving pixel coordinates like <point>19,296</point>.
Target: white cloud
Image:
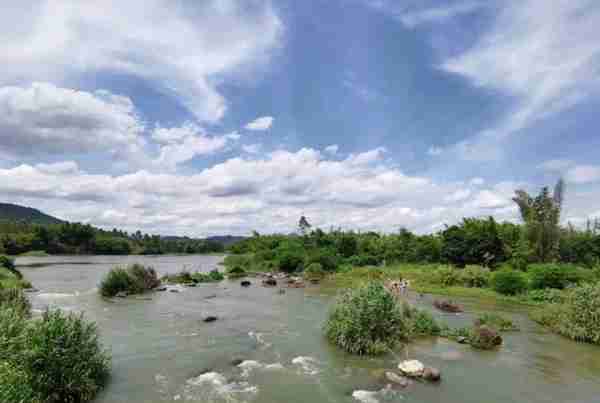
<point>583,174</point>
<point>267,193</point>
<point>260,124</point>
<point>435,151</point>
<point>181,144</point>
<point>438,14</point>
<point>44,119</point>
<point>546,58</point>
<point>477,181</point>
<point>557,165</point>
<point>332,149</point>
<point>181,49</point>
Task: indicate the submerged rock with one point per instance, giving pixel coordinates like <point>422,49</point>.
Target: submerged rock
<point>245,283</point>
<point>173,290</point>
<point>269,282</point>
<point>210,319</point>
<point>236,361</point>
<point>397,379</point>
<point>432,374</point>
<point>447,306</point>
<point>121,294</point>
<point>412,368</point>
<point>160,289</point>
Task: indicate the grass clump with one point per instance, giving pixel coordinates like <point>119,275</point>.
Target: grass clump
<point>509,282</point>
<point>367,320</point>
<point>475,277</point>
<point>135,279</point>
<point>578,318</point>
<point>13,298</point>
<point>314,271</point>
<point>496,321</point>
<point>186,277</point>
<point>54,359</point>
<point>236,272</point>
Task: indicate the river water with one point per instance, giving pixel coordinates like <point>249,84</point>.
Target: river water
<point>162,351</point>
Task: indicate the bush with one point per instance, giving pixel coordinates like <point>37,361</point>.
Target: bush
<point>484,338</point>
<point>236,272</point>
<point>15,386</point>
<point>290,260</point>
<point>446,276</point>
<point>475,276</point>
<point>314,271</point>
<point>509,282</point>
<point>556,276</point>
<point>364,260</point>
<point>325,257</point>
<point>135,279</point>
<point>579,318</point>
<point>9,264</point>
<point>367,320</point>
<point>547,296</point>
<point>14,298</point>
<point>55,359</point>
<point>496,321</point>
<point>420,323</point>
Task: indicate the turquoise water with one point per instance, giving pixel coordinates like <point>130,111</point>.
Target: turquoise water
<point>163,351</point>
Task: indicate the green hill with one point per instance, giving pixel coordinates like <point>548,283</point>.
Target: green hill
<point>13,212</point>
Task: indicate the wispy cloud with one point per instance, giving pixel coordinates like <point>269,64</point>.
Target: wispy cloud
<point>260,124</point>
<point>546,58</point>
<point>413,14</point>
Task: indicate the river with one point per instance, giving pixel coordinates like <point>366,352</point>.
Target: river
<point>162,351</point>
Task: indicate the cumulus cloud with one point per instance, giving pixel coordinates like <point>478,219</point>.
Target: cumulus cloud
<point>332,149</point>
<point>44,119</point>
<point>260,124</point>
<point>269,193</point>
<point>180,48</point>
<point>252,148</point>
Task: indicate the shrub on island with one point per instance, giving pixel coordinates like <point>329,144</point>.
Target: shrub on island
<point>135,279</point>
<point>185,277</point>
<point>367,320</point>
<point>236,272</point>
<point>314,271</point>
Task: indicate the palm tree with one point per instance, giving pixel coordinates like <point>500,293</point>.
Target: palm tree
<point>541,216</point>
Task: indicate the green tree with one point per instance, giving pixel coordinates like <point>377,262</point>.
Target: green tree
<point>541,216</point>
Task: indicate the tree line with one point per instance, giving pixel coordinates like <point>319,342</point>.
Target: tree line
<point>18,237</point>
<point>474,241</point>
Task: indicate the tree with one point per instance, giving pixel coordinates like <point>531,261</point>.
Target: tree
<point>541,216</point>
<point>304,226</point>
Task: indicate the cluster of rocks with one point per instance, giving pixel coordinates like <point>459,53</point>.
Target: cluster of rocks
<point>413,369</point>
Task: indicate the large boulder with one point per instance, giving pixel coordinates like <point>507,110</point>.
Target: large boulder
<point>432,374</point>
<point>412,368</point>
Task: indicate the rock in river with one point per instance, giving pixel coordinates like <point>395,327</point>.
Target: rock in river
<point>396,379</point>
<point>245,283</point>
<point>121,294</point>
<point>432,374</point>
<point>209,319</point>
<point>412,368</point>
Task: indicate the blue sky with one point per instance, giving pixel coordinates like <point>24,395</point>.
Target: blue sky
<point>227,116</point>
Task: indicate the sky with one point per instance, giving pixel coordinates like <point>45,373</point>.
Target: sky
<point>180,117</point>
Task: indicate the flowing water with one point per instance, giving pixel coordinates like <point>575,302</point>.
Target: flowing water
<point>163,351</point>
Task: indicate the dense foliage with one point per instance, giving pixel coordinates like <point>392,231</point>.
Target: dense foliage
<point>578,317</point>
<point>367,320</point>
<point>134,279</point>
<point>17,237</point>
<point>56,358</point>
<point>186,277</point>
<point>509,282</point>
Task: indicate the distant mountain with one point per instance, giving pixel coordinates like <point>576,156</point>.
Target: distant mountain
<point>13,212</point>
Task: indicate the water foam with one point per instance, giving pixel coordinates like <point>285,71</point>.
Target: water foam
<point>309,365</point>
<point>214,387</point>
<point>251,365</point>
